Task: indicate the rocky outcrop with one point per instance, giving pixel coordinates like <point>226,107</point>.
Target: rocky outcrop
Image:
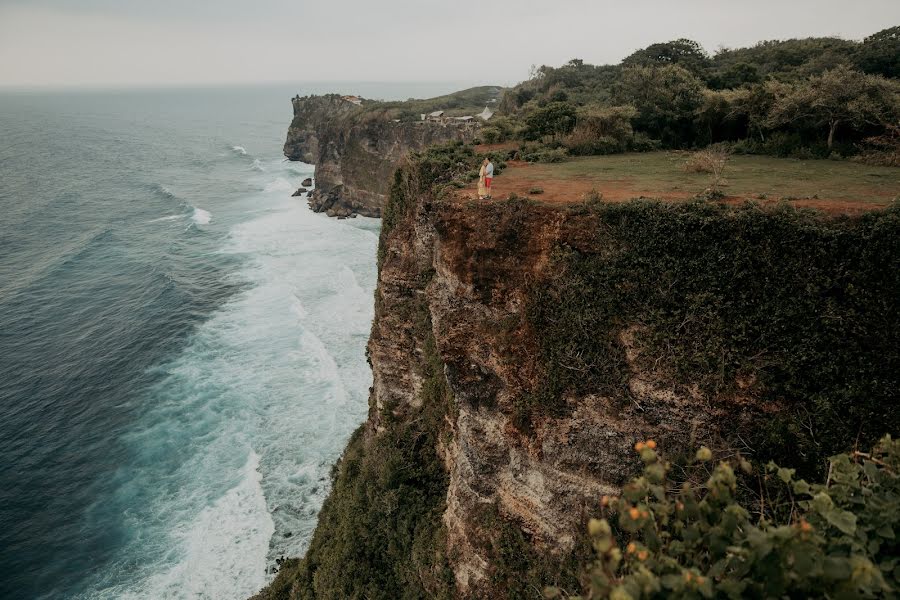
<point>300,192</point>
<point>356,149</point>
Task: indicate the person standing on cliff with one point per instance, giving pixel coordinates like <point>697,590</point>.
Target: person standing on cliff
<point>482,174</point>
<point>488,176</point>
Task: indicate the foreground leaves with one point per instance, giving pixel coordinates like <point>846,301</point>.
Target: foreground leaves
<point>831,540</point>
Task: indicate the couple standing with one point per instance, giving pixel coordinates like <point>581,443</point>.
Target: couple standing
<point>485,176</point>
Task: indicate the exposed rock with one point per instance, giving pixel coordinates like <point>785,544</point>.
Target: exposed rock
<point>300,192</point>
<point>356,150</point>
<point>307,182</point>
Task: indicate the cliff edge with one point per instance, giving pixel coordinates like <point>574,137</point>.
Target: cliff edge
<point>356,145</point>
<point>519,350</point>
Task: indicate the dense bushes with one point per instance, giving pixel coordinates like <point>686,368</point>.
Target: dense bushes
<point>795,540</point>
<point>802,305</point>
<point>820,97</point>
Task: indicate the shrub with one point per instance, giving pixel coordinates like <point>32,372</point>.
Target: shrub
<point>882,149</point>
<point>795,540</point>
<point>552,120</point>
<point>583,144</point>
<point>641,142</point>
<point>537,153</point>
<point>712,160</point>
<point>536,190</point>
<point>491,135</point>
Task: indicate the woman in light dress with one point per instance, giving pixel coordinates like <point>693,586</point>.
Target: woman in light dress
<point>482,187</point>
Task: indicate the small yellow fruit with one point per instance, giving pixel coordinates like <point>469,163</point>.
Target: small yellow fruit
<point>639,446</point>
<point>634,513</point>
<point>643,554</point>
<point>651,444</point>
<point>630,548</point>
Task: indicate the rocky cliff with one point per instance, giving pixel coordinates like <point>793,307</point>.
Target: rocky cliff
<point>356,149</point>
<point>520,350</point>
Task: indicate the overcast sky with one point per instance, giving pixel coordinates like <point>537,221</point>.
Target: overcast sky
<point>144,42</point>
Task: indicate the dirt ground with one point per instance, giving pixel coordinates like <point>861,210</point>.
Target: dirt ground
<point>838,188</point>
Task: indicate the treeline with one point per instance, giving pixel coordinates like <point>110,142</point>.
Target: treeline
<point>809,98</point>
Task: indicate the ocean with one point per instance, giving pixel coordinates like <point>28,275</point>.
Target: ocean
<point>182,343</point>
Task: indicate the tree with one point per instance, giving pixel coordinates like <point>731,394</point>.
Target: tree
<point>552,120</point>
<point>602,130</point>
<point>839,96</point>
<point>753,104</point>
<point>879,54</point>
<point>683,52</point>
<point>735,76</point>
<point>666,98</point>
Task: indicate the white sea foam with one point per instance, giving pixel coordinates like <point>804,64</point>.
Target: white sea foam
<point>239,150</point>
<point>279,185</point>
<point>257,166</point>
<point>166,218</point>
<point>201,217</point>
<point>210,567</point>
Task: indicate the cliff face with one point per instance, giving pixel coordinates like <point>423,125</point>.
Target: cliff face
<point>519,351</point>
<point>356,150</point>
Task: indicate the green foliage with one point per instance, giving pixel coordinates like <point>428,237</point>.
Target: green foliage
<point>685,53</point>
<point>839,96</point>
<point>831,540</point>
<point>786,60</point>
<point>538,153</point>
<point>685,99</point>
<point>553,120</point>
<point>601,130</point>
<point>666,98</point>
<point>491,135</point>
<point>879,53</point>
<point>800,303</point>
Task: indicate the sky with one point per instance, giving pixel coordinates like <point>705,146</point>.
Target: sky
<point>199,42</point>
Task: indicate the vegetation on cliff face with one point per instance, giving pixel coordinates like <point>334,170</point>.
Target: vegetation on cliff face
<point>836,539</point>
<point>787,306</point>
